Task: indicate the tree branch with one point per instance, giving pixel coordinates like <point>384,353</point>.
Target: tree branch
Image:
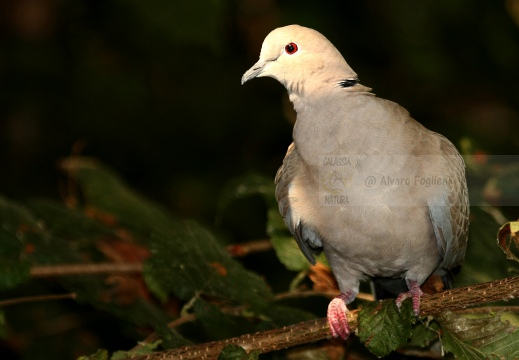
<point>315,330</point>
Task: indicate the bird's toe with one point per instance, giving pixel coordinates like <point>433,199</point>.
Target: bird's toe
<point>414,293</point>
<point>337,319</point>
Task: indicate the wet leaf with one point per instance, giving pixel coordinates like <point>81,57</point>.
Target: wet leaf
<point>485,337</point>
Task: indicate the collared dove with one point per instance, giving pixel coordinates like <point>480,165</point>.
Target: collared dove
<point>383,196</point>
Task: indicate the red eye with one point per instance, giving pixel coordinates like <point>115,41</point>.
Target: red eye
<point>291,48</point>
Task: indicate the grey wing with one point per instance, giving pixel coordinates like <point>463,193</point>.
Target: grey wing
<point>449,211</point>
<point>307,239</point>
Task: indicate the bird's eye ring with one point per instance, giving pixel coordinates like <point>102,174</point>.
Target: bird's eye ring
<point>291,48</point>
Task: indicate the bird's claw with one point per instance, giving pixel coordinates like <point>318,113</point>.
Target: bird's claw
<point>337,319</point>
<point>414,293</point>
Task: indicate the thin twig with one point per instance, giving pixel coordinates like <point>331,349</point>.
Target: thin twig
<point>236,250</point>
<point>36,299</point>
<point>125,268</point>
<point>254,246</point>
<point>85,269</point>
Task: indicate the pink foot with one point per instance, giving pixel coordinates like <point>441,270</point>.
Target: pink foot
<point>414,293</point>
<point>337,319</point>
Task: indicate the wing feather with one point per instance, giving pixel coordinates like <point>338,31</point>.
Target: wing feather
<point>307,239</point>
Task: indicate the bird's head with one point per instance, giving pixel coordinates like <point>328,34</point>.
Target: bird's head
<point>301,59</point>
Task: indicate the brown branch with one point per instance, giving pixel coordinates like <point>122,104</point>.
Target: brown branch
<point>85,269</point>
<point>314,330</point>
<point>461,298</point>
<point>37,298</point>
<point>235,310</point>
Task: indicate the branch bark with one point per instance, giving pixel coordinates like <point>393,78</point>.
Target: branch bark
<point>315,330</point>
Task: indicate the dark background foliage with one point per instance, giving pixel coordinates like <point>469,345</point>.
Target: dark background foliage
<point>152,88</point>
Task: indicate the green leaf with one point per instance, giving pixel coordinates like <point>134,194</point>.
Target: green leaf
<point>13,273</point>
<point>106,191</point>
<point>17,229</point>
<point>246,186</point>
<point>194,262</point>
<point>282,241</point>
<point>284,244</point>
<point>3,326</point>
<point>424,334</point>
<point>100,354</point>
<point>186,259</point>
<point>382,328</point>
<point>501,188</point>
<point>277,316</point>
<point>74,225</point>
<point>142,350</point>
<point>235,352</point>
<point>219,326</point>
<point>48,246</point>
<point>480,263</point>
<point>485,337</point>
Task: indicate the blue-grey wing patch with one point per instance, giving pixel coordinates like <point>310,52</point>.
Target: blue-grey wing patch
<point>307,238</point>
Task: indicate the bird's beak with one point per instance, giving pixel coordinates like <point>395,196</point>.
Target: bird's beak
<point>254,71</point>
